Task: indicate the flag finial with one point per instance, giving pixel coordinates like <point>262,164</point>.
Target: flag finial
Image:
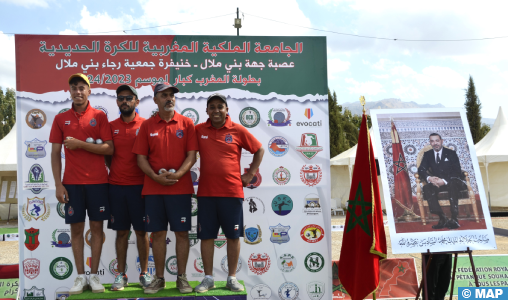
<point>362,102</point>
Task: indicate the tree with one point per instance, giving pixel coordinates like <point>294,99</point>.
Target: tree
<point>484,130</point>
<point>7,111</point>
<point>473,111</point>
<point>343,129</point>
<point>334,121</point>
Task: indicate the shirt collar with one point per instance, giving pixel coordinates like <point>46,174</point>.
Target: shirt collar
<point>83,112</point>
<point>440,152</point>
<point>136,118</point>
<point>228,124</point>
<point>176,118</point>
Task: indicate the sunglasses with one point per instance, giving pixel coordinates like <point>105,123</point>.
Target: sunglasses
<point>121,98</point>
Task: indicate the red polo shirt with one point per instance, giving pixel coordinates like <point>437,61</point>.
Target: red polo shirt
<point>166,145</point>
<point>81,166</point>
<point>124,165</point>
<point>221,151</point>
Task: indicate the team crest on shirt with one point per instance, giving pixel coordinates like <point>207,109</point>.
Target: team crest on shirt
<point>71,210</point>
<point>229,138</point>
<point>179,133</point>
<point>93,122</point>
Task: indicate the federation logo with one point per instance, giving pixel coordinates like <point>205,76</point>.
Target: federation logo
<point>179,133</point>
<point>88,238</point>
<point>278,146</point>
<point>113,267</point>
<point>311,205</point>
<point>288,291</point>
<point>286,262</point>
<point>150,240</point>
<point>256,180</point>
<point>199,267</point>
<point>314,262</point>
<point>93,122</point>
<point>151,265</point>
<point>105,111</point>
<point>61,238</point>
<point>228,138</point>
<point>308,113</point>
<point>311,174</point>
<point>255,205</point>
<point>36,208</point>
<point>221,239</point>
<point>35,149</point>
<point>193,236</point>
<point>252,235</point>
<point>259,263</point>
<point>312,233</point>
<point>171,265</point>
<point>61,293</point>
<point>36,180</point>
<point>194,205</point>
<point>192,114</point>
<point>281,176</point>
<point>225,267</point>
<point>309,145</point>
<point>249,117</point>
<point>315,290</point>
<point>33,294</point>
<point>279,117</point>
<point>279,234</point>
<point>195,175</point>
<point>282,204</point>
<point>35,119</point>
<point>31,267</point>
<point>260,292</point>
<point>60,268</point>
<point>32,238</point>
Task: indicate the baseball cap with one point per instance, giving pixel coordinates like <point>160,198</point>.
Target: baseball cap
<point>216,96</point>
<point>82,76</point>
<point>164,86</point>
<point>126,87</point>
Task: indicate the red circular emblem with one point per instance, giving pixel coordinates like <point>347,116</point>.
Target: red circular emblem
<point>259,263</point>
<point>311,174</point>
<point>312,233</point>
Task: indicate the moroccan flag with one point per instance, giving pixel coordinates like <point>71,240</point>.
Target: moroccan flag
<point>402,188</point>
<point>364,241</point>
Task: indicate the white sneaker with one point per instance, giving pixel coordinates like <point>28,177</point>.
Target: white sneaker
<point>95,284</point>
<point>80,285</point>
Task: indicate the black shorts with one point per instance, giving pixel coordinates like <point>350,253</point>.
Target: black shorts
<point>127,207</point>
<point>163,209</point>
<point>91,199</point>
<point>216,212</point>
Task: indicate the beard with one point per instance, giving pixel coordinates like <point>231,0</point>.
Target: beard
<point>167,108</point>
<point>127,111</point>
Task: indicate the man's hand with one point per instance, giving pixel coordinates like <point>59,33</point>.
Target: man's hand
<point>439,182</point>
<point>247,178</point>
<point>61,194</point>
<point>72,143</point>
<point>165,178</point>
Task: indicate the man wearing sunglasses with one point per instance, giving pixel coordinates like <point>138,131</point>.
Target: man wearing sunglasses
<point>125,186</point>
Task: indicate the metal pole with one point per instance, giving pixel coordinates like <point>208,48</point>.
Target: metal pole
<point>238,17</point>
<point>488,183</point>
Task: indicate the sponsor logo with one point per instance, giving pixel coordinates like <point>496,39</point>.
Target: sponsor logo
<point>70,211</point>
<point>228,138</point>
<point>199,267</point>
<point>260,292</point>
<point>252,235</point>
<point>256,206</point>
<point>312,233</point>
<point>308,113</point>
<point>225,267</point>
<point>36,180</point>
<point>286,262</point>
<point>183,219</point>
<point>179,133</point>
<point>113,267</point>
<point>279,234</point>
<point>259,263</point>
<point>31,267</point>
<point>35,149</point>
<point>193,236</point>
<point>105,111</point>
<point>63,110</point>
<point>61,238</point>
<point>314,262</point>
<point>195,175</point>
<point>88,262</point>
<point>249,117</point>
<point>117,131</point>
<point>150,239</point>
<point>93,122</point>
<point>310,124</point>
<point>154,134</point>
<point>102,209</point>
<point>68,122</point>
<point>288,291</point>
<point>311,174</point>
<point>151,265</point>
<point>32,238</point>
<point>88,237</point>
<point>315,290</point>
<point>309,145</point>
<point>256,180</point>
<point>204,137</point>
<point>35,119</point>
<point>36,208</point>
<point>282,204</point>
<point>192,114</point>
<point>281,176</point>
<point>194,205</point>
<point>221,239</point>
<point>171,265</point>
<point>278,146</point>
<point>33,294</point>
<point>60,268</point>
<point>312,205</point>
<point>62,293</point>
<point>279,117</point>
<point>236,227</point>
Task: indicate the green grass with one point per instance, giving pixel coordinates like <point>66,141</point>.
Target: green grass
<point>134,290</point>
<point>8,230</point>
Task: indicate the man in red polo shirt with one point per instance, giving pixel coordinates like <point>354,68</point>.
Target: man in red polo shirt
<point>125,185</point>
<point>220,191</point>
<point>166,146</point>
<point>86,134</point>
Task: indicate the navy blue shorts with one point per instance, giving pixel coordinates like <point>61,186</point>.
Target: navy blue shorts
<point>91,199</point>
<point>127,207</point>
<point>163,209</point>
<point>216,212</point>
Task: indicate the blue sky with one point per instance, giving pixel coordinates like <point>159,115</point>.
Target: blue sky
<point>424,72</point>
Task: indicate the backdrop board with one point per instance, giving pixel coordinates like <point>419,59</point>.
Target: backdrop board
<point>276,88</point>
<point>409,164</point>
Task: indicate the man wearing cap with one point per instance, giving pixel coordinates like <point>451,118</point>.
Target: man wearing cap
<point>86,135</point>
<point>220,191</point>
<point>166,146</point>
<point>125,185</point>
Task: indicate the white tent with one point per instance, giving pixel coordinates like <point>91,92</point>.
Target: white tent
<point>8,167</point>
<point>492,153</point>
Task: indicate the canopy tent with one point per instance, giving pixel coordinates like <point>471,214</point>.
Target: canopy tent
<point>8,167</point>
<point>492,153</point>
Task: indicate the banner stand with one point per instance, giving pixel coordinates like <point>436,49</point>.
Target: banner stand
<point>423,283</point>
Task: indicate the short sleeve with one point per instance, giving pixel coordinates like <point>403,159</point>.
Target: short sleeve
<point>105,128</point>
<point>248,141</point>
<point>141,146</point>
<point>192,140</point>
<point>56,134</point>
